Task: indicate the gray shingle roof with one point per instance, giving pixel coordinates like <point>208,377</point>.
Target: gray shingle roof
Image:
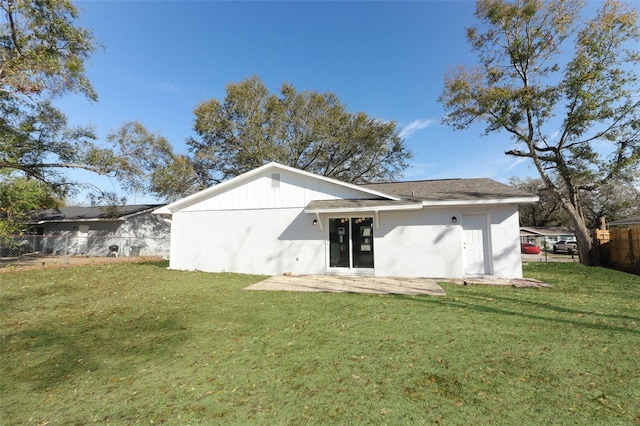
<point>414,193</point>
<point>634,220</point>
<point>480,189</point>
<point>546,231</point>
<point>76,213</point>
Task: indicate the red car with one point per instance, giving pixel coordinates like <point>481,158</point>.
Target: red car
<point>528,248</point>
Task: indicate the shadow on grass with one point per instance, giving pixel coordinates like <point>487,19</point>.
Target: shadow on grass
<point>164,264</point>
<point>548,306</point>
<point>56,353</point>
<point>484,308</point>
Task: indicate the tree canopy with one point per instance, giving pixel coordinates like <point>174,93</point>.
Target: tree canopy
<point>563,86</point>
<point>19,197</point>
<point>148,164</point>
<point>546,212</point>
<point>307,130</point>
<point>42,54</point>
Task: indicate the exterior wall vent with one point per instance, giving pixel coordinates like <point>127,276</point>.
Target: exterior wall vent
<point>275,180</point>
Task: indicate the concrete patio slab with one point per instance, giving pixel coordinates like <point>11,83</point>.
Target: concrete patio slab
<point>351,284</point>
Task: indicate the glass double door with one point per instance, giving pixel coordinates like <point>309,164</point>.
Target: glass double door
<point>351,242</point>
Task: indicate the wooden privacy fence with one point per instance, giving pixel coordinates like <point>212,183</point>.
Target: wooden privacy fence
<point>618,248</point>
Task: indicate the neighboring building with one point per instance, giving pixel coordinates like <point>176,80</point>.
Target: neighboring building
<point>91,231</point>
<point>546,237</point>
<point>278,219</point>
<point>630,222</point>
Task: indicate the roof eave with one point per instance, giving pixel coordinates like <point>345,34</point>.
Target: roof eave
<point>105,219</point>
<point>518,200</point>
<point>363,209</point>
<point>128,215</point>
<point>162,210</point>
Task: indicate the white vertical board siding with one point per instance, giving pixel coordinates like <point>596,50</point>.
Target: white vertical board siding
<point>420,243</point>
<point>294,191</point>
<point>270,241</point>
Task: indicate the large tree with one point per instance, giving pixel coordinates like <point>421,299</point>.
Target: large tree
<point>42,55</point>
<point>19,198</point>
<point>147,163</point>
<point>612,201</point>
<point>547,211</point>
<point>563,86</point>
<point>307,130</point>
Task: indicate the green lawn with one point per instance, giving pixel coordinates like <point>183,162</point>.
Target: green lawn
<point>136,343</point>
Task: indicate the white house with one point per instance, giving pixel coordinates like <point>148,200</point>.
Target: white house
<point>278,219</point>
<point>546,237</point>
<point>90,231</point>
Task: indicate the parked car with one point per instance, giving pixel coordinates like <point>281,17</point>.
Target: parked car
<point>528,248</point>
<point>563,246</point>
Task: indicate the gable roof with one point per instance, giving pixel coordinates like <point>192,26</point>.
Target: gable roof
<point>79,214</point>
<point>407,195</point>
<point>209,192</point>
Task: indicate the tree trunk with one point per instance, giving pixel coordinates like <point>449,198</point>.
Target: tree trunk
<point>583,236</point>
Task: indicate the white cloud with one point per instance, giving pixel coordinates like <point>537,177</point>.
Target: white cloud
<point>515,163</point>
<point>414,126</point>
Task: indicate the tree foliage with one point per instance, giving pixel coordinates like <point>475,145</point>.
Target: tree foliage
<point>42,49</point>
<point>19,198</point>
<point>615,200</point>
<point>611,201</point>
<point>307,130</point>
<point>574,113</point>
<point>147,163</point>
<point>42,54</point>
<point>546,212</point>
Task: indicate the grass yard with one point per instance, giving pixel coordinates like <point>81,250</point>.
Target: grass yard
<point>137,343</point>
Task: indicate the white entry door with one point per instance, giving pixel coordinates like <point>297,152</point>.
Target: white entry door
<point>475,244</point>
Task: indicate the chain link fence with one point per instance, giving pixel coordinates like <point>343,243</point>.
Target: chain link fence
<point>16,247</point>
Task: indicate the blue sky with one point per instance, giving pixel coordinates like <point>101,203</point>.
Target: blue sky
<point>386,59</point>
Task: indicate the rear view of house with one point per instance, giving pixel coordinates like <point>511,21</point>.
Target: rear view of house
<point>278,219</point>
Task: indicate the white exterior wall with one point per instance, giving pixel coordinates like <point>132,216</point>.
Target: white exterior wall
<point>269,241</point>
<point>505,241</point>
<point>426,243</point>
<point>421,243</point>
<point>254,228</point>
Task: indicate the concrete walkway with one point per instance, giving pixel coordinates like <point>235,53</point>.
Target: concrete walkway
<point>351,284</point>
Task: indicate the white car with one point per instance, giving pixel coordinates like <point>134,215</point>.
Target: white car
<point>563,246</point>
